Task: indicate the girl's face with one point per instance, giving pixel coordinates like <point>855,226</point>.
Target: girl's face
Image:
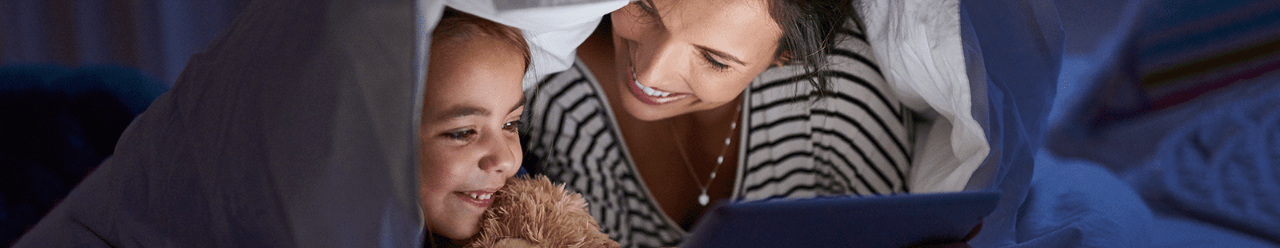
<point>675,57</point>
<point>468,144</point>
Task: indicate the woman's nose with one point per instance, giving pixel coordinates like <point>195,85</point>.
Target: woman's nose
<point>664,64</point>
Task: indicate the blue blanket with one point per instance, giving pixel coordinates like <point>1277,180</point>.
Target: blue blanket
<point>1180,107</point>
<point>1220,166</point>
<point>1211,182</point>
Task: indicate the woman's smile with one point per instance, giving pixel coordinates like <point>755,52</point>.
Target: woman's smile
<point>651,95</point>
<point>676,64</point>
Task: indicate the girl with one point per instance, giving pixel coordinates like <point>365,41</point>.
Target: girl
<point>469,141</point>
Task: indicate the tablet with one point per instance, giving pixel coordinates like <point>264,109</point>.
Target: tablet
<point>880,221</point>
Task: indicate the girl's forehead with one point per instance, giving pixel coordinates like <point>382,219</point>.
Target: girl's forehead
<point>484,76</point>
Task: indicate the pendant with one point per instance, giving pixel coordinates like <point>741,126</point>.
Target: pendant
<point>703,198</point>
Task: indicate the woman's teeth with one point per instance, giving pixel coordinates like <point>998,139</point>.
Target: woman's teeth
<point>481,196</point>
<point>646,89</point>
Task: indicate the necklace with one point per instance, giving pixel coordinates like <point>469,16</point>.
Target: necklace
<point>703,198</point>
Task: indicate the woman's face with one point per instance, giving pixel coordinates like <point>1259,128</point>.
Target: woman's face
<point>468,143</point>
<point>688,56</point>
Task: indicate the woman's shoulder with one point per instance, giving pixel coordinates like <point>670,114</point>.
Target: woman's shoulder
<point>576,76</point>
<point>563,102</point>
<point>856,125</point>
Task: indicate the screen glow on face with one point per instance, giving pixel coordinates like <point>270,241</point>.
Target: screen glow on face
<point>677,57</point>
<point>469,141</point>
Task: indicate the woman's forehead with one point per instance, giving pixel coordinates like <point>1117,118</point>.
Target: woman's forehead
<point>740,27</point>
<point>750,13</point>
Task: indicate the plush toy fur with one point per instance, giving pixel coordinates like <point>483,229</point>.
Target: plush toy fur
<point>533,212</point>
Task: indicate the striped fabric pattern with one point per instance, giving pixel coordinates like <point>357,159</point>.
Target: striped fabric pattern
<point>573,139</point>
<point>852,140</point>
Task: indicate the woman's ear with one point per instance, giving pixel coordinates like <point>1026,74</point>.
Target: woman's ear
<point>782,59</point>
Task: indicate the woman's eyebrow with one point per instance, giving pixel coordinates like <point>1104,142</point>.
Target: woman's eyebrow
<point>721,54</point>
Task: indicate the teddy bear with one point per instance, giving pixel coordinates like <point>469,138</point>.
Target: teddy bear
<point>534,212</point>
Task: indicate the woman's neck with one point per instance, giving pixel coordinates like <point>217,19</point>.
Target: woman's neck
<point>713,119</point>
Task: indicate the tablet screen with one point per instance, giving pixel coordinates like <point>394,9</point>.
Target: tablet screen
<point>851,221</point>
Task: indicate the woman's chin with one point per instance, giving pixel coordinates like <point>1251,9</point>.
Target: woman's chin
<point>645,112</point>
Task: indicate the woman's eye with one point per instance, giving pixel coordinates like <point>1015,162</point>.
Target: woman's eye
<point>715,63</point>
<point>513,126</point>
<point>647,8</point>
<point>463,135</point>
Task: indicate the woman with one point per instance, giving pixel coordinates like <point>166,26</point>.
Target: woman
<point>658,105</point>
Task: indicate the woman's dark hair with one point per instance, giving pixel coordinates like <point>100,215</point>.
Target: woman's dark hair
<point>809,30</point>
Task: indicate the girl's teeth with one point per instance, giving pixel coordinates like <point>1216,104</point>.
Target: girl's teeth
<point>480,196</point>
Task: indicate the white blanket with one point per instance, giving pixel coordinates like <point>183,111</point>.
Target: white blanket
<point>918,46</point>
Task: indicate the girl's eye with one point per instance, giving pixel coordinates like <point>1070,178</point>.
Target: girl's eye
<point>462,135</point>
<point>513,126</point>
<point>715,63</point>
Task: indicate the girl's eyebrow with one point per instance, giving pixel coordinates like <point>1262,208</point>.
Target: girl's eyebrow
<point>721,54</point>
<point>462,111</point>
<point>518,104</point>
<point>466,110</point>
